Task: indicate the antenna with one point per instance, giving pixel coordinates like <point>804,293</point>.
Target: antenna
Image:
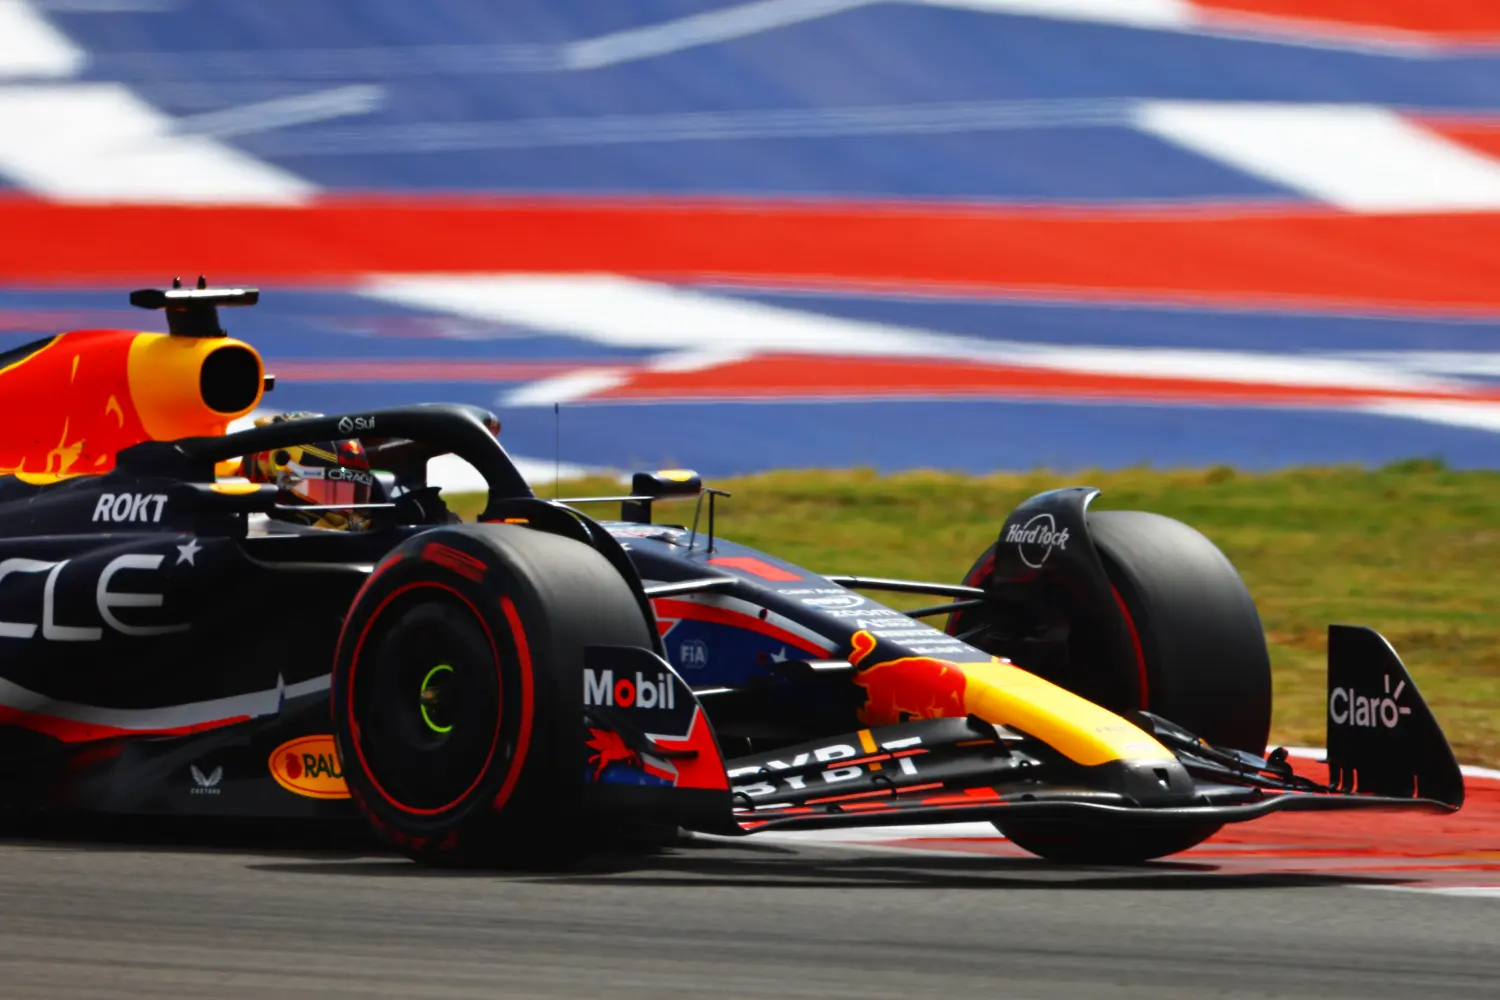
<point>556,450</point>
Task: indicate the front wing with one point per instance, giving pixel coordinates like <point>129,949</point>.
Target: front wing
<point>1386,752</point>
<point>951,776</point>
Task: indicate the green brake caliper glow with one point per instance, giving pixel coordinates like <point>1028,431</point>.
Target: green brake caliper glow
<point>426,696</point>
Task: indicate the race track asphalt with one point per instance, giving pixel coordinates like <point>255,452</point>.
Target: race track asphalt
<point>84,918</point>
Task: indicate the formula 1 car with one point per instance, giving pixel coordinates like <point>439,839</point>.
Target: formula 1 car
<point>530,685</point>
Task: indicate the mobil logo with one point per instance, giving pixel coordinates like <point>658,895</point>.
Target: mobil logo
<point>309,766</point>
<point>920,687</point>
<point>602,688</point>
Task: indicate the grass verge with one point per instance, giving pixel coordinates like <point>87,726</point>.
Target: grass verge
<point>1412,549</point>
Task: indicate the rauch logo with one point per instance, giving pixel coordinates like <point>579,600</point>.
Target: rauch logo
<point>309,766</point>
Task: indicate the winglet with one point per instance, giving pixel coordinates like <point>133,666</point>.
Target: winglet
<point>193,312</point>
<point>1382,737</point>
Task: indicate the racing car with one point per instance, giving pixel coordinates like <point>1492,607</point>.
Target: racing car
<point>287,620</point>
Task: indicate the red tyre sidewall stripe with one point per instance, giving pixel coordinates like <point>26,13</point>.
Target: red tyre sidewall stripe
<point>523,737</point>
<point>500,708</point>
<point>1135,643</point>
<point>975,578</point>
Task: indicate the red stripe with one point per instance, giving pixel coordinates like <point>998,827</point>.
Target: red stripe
<point>1264,256</point>
<point>1135,642</point>
<point>689,610</point>
<point>1457,19</point>
<point>756,567</point>
<point>523,737</point>
<point>1480,134</point>
<point>770,377</point>
<point>879,792</point>
<point>71,731</point>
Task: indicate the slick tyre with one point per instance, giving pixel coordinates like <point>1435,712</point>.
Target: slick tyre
<point>1095,842</point>
<point>1202,647</point>
<point>457,692</point>
<point>1201,662</point>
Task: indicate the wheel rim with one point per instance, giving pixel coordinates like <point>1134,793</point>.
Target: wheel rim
<point>425,699</point>
<point>436,699</point>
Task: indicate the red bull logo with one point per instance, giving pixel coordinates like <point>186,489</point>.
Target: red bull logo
<point>918,687</point>
<point>76,400</point>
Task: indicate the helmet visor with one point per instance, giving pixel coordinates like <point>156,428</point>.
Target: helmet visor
<point>338,486</point>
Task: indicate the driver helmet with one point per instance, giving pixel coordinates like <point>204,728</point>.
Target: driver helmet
<point>320,474</point>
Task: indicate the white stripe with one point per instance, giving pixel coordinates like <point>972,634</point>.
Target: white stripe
<point>282,112</point>
<point>629,313</point>
<point>100,143</point>
<point>30,46</point>
<point>1472,363</point>
<point>1354,156</point>
<point>1234,366</point>
<point>310,686</point>
<point>625,312</point>
<point>932,118</point>
<point>707,28</point>
<point>582,384</point>
<point>1475,416</point>
<point>1177,14</point>
<point>1468,891</point>
<point>566,388</point>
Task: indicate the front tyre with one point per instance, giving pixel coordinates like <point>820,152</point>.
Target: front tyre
<point>457,689</point>
<point>1200,661</point>
<point>1103,842</point>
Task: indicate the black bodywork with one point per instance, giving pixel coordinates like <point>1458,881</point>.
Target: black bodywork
<point>162,637</point>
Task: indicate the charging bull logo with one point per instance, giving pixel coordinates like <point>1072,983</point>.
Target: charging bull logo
<point>77,399</point>
<point>73,406</point>
<point>916,686</point>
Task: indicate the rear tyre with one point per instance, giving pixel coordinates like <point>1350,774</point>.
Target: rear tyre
<point>457,689</point>
<point>1201,662</point>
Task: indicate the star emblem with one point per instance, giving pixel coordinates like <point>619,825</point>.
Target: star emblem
<point>185,553</point>
<point>779,657</point>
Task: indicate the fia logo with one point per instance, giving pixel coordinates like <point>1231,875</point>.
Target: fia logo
<point>693,653</point>
<point>206,785</point>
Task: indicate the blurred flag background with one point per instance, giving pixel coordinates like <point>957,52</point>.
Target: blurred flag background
<point>968,234</point>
